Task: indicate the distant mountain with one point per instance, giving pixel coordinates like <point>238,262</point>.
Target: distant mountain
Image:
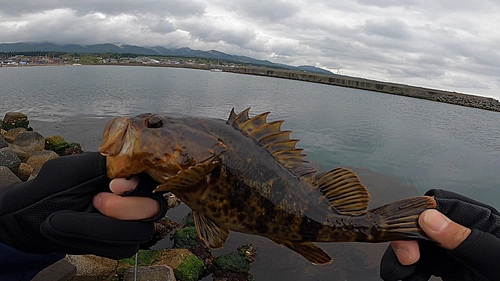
<point>149,51</point>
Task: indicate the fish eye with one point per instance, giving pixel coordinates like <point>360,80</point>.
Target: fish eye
<point>154,122</point>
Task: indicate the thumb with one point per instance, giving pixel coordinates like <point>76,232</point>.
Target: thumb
<point>446,232</point>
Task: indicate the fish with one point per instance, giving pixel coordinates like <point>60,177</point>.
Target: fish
<point>246,174</point>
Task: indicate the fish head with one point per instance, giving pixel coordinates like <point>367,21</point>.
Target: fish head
<point>159,145</point>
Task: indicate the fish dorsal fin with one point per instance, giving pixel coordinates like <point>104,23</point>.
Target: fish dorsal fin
<point>190,177</point>
<point>344,190</point>
<point>308,250</point>
<point>271,138</point>
<point>209,231</point>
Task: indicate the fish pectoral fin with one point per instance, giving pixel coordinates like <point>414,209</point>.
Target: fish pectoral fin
<point>344,190</point>
<point>189,177</point>
<point>309,251</point>
<point>209,231</point>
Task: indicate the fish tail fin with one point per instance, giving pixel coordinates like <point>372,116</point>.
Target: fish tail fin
<point>399,220</point>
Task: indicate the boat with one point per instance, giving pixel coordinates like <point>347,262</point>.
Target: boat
<point>216,70</point>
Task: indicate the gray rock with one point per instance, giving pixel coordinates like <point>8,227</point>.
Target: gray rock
<point>15,120</point>
<point>28,142</point>
<point>7,177</point>
<point>150,273</point>
<point>90,267</point>
<point>11,134</point>
<point>24,171</point>
<point>34,174</point>
<point>59,271</point>
<point>40,157</point>
<point>9,159</point>
<point>3,142</point>
<point>30,138</point>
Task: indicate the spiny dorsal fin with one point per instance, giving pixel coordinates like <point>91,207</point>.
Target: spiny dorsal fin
<point>344,190</point>
<point>270,137</point>
<point>209,231</point>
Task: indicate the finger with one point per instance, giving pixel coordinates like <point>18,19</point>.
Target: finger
<point>126,208</point>
<point>406,251</point>
<point>121,185</point>
<point>440,228</point>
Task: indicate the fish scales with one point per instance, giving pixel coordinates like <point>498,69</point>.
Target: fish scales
<point>246,175</point>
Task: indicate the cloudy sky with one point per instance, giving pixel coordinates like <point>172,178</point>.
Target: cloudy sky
<point>444,44</point>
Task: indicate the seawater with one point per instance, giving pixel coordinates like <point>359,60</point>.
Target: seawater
<point>421,143</point>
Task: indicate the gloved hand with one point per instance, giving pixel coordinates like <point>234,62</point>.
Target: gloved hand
<point>476,258</point>
<point>54,212</point>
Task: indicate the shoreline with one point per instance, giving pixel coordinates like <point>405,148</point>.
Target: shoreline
<point>449,97</point>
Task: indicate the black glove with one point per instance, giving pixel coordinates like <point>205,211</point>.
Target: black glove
<point>54,212</point>
<point>477,258</point>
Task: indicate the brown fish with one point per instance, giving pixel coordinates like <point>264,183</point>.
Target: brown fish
<point>246,175</point>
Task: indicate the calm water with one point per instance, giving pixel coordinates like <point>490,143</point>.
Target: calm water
<point>421,143</point>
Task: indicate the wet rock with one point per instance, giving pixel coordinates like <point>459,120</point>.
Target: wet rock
<point>9,159</point>
<point>15,120</point>
<point>90,267</point>
<point>147,273</point>
<point>29,142</point>
<point>56,143</point>
<point>20,152</point>
<point>24,171</point>
<point>162,229</point>
<point>7,177</point>
<point>11,134</point>
<point>186,266</point>
<point>40,157</point>
<point>74,148</point>
<point>34,174</point>
<point>235,266</point>
<point>3,142</point>
<point>59,271</point>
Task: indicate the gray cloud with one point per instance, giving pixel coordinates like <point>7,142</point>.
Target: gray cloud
<point>442,44</point>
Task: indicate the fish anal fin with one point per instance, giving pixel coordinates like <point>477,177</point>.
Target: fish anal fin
<point>272,139</point>
<point>344,190</point>
<point>188,178</point>
<point>309,251</point>
<point>209,231</point>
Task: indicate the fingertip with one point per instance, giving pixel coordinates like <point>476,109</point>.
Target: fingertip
<point>407,251</point>
<point>122,185</point>
<point>446,232</point>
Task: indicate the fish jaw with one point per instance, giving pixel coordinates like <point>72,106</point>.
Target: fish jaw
<point>117,146</point>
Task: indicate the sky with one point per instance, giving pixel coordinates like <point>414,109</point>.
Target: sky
<point>443,44</point>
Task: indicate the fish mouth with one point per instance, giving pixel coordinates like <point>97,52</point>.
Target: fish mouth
<point>118,146</point>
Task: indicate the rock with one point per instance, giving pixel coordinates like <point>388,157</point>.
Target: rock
<point>186,266</point>
<point>30,142</point>
<point>74,148</point>
<point>90,267</point>
<point>3,143</point>
<point>24,171</point>
<point>40,157</point>
<point>147,273</point>
<point>20,152</point>
<point>235,265</point>
<point>9,159</point>
<point>56,143</point>
<point>7,177</point>
<point>34,174</point>
<point>59,271</point>
<point>15,120</point>
<point>11,134</point>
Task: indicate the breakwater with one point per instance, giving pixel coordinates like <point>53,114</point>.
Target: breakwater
<point>377,86</point>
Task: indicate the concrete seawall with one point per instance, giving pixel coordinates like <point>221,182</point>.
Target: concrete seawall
<point>377,86</point>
